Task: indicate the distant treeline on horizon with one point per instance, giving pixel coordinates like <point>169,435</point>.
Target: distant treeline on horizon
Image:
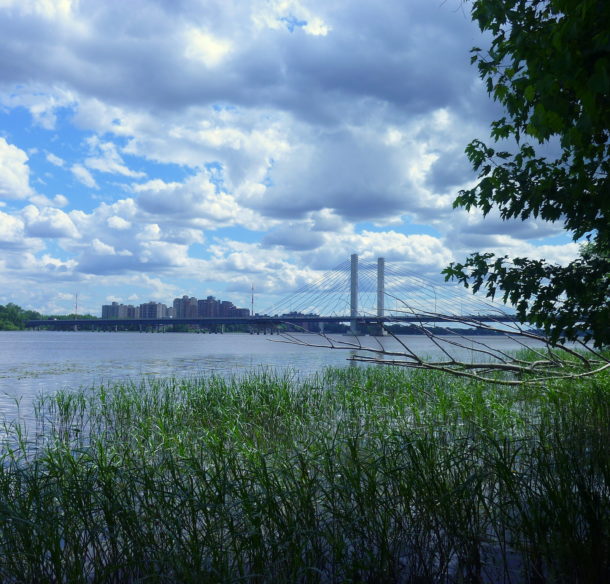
<point>13,317</point>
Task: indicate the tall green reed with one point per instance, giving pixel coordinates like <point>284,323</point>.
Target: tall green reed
<point>353,475</point>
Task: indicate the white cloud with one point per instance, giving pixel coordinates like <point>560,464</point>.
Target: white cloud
<point>95,115</point>
<point>101,248</point>
<point>116,222</point>
<point>84,176</point>
<point>243,264</point>
<point>43,201</point>
<point>11,231</point>
<point>294,236</point>
<point>560,254</point>
<point>555,254</point>
<point>14,172</point>
<point>42,101</point>
<point>204,47</point>
<point>164,254</point>
<point>107,159</point>
<point>55,160</point>
<point>317,27</point>
<point>60,200</point>
<point>48,222</point>
<point>50,9</point>
<point>327,220</point>
<point>197,202</point>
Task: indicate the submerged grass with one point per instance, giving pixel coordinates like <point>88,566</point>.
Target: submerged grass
<point>354,475</point>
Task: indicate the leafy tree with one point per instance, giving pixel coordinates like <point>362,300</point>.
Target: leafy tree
<point>549,67</point>
<point>13,317</point>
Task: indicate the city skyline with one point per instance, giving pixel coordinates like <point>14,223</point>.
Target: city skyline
<point>152,148</point>
<point>184,307</point>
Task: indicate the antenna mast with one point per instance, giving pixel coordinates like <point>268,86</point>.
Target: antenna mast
<point>252,302</point>
<point>76,304</point>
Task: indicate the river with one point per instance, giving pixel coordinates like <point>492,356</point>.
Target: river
<point>41,362</point>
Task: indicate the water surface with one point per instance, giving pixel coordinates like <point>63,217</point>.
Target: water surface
<point>41,362</point>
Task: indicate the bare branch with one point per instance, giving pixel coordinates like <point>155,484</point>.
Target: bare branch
<point>551,361</point>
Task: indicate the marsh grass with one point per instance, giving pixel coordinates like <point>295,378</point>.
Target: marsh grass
<point>354,475</point>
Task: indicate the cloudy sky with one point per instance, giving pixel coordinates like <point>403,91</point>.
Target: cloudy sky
<point>155,148</point>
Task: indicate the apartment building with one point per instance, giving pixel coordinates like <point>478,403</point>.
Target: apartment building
<point>153,310</point>
<point>116,310</point>
<point>185,307</point>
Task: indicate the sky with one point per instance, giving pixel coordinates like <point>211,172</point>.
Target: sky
<point>155,148</point>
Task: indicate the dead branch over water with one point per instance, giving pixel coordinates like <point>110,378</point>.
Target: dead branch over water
<point>537,361</point>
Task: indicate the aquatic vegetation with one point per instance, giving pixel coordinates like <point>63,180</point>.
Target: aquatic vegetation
<point>351,475</point>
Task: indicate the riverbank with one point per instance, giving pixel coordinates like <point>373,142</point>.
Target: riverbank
<point>351,475</point>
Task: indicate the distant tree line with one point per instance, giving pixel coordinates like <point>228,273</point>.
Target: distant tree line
<point>414,329</point>
<point>13,317</point>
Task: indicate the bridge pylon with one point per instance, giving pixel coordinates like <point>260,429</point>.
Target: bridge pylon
<point>353,329</point>
<point>381,294</point>
<point>353,308</point>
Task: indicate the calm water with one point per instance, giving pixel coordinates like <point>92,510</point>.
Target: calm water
<point>38,362</point>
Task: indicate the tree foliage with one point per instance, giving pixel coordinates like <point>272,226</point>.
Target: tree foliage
<point>13,317</point>
<point>549,67</point>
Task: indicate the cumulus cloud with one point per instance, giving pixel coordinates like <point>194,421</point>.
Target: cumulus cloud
<point>48,223</point>
<point>44,201</point>
<point>260,141</point>
<point>14,172</point>
<point>558,254</point>
<point>425,253</point>
<point>100,248</point>
<point>197,201</point>
<point>471,231</point>
<point>293,236</point>
<point>116,222</point>
<point>12,232</point>
<point>121,238</point>
<point>272,268</point>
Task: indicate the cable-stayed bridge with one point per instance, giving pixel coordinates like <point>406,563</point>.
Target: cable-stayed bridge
<point>383,292</point>
<point>354,292</point>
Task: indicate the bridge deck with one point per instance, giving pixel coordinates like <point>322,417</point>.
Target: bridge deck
<point>267,320</point>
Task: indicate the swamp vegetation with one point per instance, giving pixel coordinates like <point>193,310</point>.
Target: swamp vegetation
<point>353,475</point>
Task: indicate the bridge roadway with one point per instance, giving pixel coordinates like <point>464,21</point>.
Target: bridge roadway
<point>264,320</point>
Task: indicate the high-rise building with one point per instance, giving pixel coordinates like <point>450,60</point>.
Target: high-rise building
<point>185,307</point>
<point>153,310</point>
<point>116,310</point>
<point>110,310</point>
<point>208,307</point>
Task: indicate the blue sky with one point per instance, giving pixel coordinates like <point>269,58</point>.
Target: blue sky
<point>150,149</point>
